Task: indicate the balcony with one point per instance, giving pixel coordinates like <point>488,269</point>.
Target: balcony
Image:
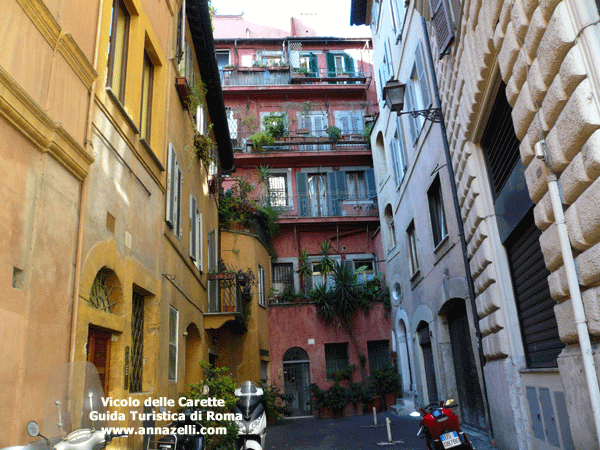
<point>225,302</point>
<point>283,76</point>
<point>326,206</point>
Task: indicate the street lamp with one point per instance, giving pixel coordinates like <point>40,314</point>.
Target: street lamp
<point>393,94</point>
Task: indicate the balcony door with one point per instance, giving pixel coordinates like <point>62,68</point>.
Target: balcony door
<point>317,194</point>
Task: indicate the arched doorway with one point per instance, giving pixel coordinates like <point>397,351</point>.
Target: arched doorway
<point>465,370</point>
<point>428,364</point>
<point>193,355</point>
<point>404,357</point>
<point>296,376</point>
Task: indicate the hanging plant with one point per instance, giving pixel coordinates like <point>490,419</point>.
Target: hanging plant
<point>204,147</point>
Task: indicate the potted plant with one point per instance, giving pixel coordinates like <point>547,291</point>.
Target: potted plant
<point>318,398</point>
<point>387,383</point>
<point>300,72</point>
<point>274,402</point>
<point>228,68</point>
<point>336,398</point>
<point>334,133</point>
<point>260,139</point>
<point>355,396</point>
<point>275,125</point>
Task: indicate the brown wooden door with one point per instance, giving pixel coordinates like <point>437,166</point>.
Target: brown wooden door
<point>98,353</point>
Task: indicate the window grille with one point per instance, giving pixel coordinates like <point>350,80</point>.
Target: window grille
<point>283,277</point>
<point>379,355</point>
<point>137,342</point>
<point>336,358</point>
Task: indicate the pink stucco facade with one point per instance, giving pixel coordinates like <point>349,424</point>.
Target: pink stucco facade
<point>298,325</point>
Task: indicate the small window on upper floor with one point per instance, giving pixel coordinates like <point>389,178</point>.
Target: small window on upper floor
<point>117,49</point>
<point>390,228</point>
<point>413,254</point>
<point>146,105</point>
<point>417,96</point>
<point>174,192</point>
<point>436,212</point>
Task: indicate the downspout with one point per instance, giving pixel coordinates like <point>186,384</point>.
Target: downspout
<point>83,193</point>
<point>461,229</point>
<point>591,374</point>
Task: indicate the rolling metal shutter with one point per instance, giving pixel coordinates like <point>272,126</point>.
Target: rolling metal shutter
<point>535,306</point>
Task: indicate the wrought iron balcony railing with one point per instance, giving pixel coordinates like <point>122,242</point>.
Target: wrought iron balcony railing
<point>321,205</point>
<point>224,294</point>
<point>251,76</point>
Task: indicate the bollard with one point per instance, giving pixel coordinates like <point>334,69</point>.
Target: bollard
<point>389,430</point>
<point>374,416</point>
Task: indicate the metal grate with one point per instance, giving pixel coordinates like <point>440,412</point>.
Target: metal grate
<point>283,277</point>
<point>379,355</point>
<point>137,342</point>
<point>336,358</point>
<point>500,144</point>
<point>101,292</point>
<point>535,306</point>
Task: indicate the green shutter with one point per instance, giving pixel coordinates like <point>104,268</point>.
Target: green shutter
<point>313,65</point>
<point>370,178</point>
<point>330,65</point>
<point>302,191</point>
<point>349,64</point>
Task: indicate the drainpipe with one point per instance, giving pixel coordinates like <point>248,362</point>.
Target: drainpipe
<point>574,289</point>
<point>83,192</point>
<point>461,229</point>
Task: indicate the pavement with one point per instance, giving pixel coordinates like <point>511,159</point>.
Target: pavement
<point>354,433</point>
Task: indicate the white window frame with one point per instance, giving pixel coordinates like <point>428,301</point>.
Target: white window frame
<point>262,292</point>
<point>173,342</point>
<point>174,192</point>
<point>418,95</point>
<point>350,122</point>
<point>398,153</point>
<point>196,235</point>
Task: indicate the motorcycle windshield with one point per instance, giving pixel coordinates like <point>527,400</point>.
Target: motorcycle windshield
<point>249,397</point>
<point>73,400</point>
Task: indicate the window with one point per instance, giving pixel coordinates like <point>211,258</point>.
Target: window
<point>174,189</point>
<point>440,18</point>
<point>350,122</point>
<point>173,333</point>
<point>309,62</point>
<point>117,49</point>
<point>398,157</point>
<point>222,58</point>
<point>318,278</point>
<point>379,355</point>
<point>356,185</point>
<point>336,358</point>
<point>213,285</point>
<point>391,229</point>
<point>278,192</point>
<point>137,342</point>
<point>317,194</point>
<point>283,277</point>
<point>412,249</point>
<point>262,296</point>
<point>375,14</point>
<point>398,10</point>
<point>338,63</point>
<point>436,211</point>
<point>201,120</point>
<point>184,55</point>
<point>366,269</point>
<point>417,96</point>
<point>196,234</point>
<point>146,106</point>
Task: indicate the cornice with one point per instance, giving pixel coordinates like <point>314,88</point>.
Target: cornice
<point>60,41</point>
<point>19,109</point>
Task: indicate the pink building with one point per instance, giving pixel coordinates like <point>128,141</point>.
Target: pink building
<point>315,97</point>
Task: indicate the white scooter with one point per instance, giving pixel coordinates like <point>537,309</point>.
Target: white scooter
<point>253,426</point>
<point>73,416</point>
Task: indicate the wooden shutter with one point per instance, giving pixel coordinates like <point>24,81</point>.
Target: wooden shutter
<point>348,64</point>
<point>172,198</point>
<point>313,64</point>
<point>337,191</point>
<point>177,204</point>
<point>200,249</point>
<point>302,192</point>
<point>440,18</point>
<point>330,64</point>
<point>422,77</point>
<point>371,186</point>
<point>409,98</point>
<point>193,232</point>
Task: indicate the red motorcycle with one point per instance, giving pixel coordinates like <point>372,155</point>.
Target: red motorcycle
<point>440,427</point>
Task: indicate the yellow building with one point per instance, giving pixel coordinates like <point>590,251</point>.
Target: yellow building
<point>46,74</point>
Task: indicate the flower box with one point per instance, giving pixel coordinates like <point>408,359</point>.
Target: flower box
<point>221,276</point>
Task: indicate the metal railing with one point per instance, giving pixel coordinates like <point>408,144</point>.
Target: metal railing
<point>306,143</point>
<point>225,294</point>
<point>250,76</point>
<point>321,205</point>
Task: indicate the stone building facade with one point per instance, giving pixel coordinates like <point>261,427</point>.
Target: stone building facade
<point>512,75</point>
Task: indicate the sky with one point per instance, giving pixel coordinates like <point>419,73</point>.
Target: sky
<point>332,15</point>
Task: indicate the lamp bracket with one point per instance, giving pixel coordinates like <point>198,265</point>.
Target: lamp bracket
<point>432,114</point>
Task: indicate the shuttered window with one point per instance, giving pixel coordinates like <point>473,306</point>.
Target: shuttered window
<point>174,189</point>
<point>535,306</point>
<point>196,233</point>
<point>500,144</point>
<point>173,328</point>
<point>442,24</point>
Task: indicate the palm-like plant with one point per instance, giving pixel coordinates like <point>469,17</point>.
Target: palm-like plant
<point>326,265</point>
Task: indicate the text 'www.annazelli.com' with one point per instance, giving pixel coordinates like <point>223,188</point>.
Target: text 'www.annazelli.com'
<point>187,429</point>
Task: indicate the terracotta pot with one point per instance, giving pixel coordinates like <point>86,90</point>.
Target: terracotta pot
<point>325,412</point>
<point>376,403</point>
<point>359,409</point>
<point>349,410</point>
<point>390,399</point>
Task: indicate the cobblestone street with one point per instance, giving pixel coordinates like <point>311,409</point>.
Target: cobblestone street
<point>351,433</point>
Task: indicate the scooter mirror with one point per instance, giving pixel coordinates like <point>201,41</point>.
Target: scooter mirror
<point>450,403</point>
<point>415,414</point>
<point>33,429</point>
